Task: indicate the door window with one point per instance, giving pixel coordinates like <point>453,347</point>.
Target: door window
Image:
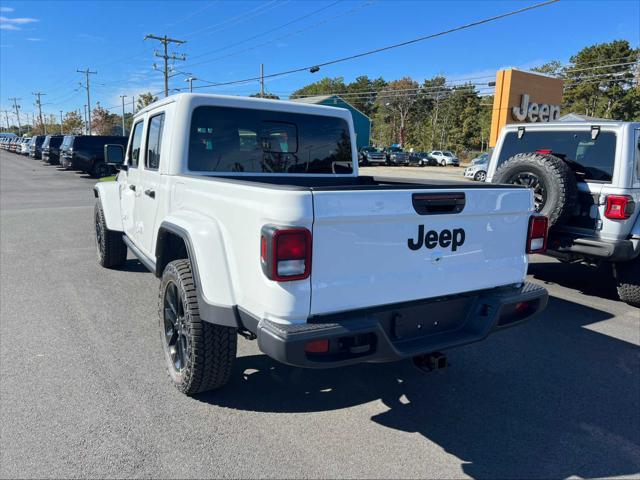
<point>154,142</point>
<point>134,149</point>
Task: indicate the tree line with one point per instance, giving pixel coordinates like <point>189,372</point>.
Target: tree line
<point>103,122</point>
<point>600,81</point>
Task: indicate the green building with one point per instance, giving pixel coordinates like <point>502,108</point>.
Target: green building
<point>361,123</point>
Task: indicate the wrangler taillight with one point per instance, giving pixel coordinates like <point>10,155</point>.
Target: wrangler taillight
<point>537,234</point>
<point>619,207</point>
<point>285,253</point>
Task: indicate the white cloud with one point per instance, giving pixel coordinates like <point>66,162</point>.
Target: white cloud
<point>32,39</point>
<point>6,9</point>
<point>7,23</point>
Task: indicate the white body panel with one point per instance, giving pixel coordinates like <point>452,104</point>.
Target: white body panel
<point>360,256</point>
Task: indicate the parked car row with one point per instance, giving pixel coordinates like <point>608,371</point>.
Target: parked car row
<point>395,155</point>
<point>13,144</point>
<point>71,152</point>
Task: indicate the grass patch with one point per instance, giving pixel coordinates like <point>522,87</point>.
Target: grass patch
<point>112,178</point>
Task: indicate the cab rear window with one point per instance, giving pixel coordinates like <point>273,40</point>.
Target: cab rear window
<point>241,140</point>
<point>590,159</point>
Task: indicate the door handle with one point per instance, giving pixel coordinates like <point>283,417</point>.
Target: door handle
<point>150,193</point>
<point>132,187</point>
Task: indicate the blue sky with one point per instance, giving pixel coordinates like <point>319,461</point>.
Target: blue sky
<point>42,43</point>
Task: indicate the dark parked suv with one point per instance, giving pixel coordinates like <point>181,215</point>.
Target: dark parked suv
<point>65,151</point>
<point>51,149</point>
<point>35,146</point>
<point>87,153</point>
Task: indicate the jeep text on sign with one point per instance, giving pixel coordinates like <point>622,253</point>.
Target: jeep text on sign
<point>532,112</point>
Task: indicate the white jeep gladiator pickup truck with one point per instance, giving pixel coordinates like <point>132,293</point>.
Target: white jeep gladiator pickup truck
<point>253,215</point>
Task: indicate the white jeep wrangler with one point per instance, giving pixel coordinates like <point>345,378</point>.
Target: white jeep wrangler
<point>253,215</point>
<point>586,179</point>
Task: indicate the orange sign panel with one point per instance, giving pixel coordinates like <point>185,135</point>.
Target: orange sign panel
<point>524,97</point>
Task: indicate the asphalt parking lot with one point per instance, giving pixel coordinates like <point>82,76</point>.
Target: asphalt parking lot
<point>83,389</point>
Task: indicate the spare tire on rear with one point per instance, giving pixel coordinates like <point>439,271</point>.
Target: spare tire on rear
<point>554,186</point>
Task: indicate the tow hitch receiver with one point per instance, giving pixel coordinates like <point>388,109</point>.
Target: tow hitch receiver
<point>429,362</point>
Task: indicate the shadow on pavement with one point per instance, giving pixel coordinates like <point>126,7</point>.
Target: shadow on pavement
<point>547,399</point>
<point>133,265</point>
<point>592,281</point>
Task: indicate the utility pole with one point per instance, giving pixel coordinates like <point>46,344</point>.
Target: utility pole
<point>190,80</point>
<point>15,105</point>
<point>133,108</point>
<point>39,105</point>
<point>60,122</point>
<point>165,42</point>
<point>6,117</point>
<point>262,80</point>
<point>85,119</point>
<point>88,72</point>
<point>123,97</point>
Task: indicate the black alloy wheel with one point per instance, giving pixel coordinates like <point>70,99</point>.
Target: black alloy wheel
<point>532,181</point>
<point>176,335</point>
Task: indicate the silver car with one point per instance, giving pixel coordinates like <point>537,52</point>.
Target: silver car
<point>478,168</point>
<point>444,158</point>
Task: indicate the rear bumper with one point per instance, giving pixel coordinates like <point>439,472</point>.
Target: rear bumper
<point>564,244</point>
<point>398,331</point>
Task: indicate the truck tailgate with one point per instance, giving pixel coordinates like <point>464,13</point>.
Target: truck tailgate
<point>376,247</point>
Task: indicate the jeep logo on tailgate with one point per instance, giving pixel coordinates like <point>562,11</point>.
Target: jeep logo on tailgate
<point>446,238</point>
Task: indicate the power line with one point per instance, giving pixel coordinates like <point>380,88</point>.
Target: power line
<point>282,37</point>
<point>237,19</point>
<point>295,20</point>
<point>597,67</point>
<point>396,45</point>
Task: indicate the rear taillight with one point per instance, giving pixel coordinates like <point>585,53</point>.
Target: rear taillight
<point>285,253</point>
<point>619,207</point>
<point>537,234</point>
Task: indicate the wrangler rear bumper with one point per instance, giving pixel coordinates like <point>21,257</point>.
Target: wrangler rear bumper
<point>394,332</point>
<point>566,244</point>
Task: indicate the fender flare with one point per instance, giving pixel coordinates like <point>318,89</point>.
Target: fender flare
<point>209,264</point>
<point>108,194</point>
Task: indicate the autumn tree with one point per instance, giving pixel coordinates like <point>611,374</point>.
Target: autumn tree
<point>103,122</point>
<point>145,99</point>
<point>72,123</point>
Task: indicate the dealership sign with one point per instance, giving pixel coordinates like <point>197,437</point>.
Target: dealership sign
<point>535,112</point>
<point>524,97</point>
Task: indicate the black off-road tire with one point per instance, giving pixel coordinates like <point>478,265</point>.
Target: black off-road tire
<point>558,182</point>
<point>110,248</point>
<point>211,348</point>
<point>628,281</point>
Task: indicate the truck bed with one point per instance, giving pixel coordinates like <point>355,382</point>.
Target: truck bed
<point>364,182</point>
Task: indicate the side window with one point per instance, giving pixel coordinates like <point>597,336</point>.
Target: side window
<point>154,142</point>
<point>134,149</point>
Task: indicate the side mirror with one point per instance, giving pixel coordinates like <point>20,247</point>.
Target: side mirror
<point>114,155</point>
